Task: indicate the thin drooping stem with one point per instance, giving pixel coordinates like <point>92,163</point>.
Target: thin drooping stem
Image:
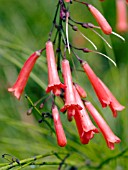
<point>54,21</point>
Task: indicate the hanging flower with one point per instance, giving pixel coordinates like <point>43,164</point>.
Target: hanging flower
<point>85,126</point>
<point>22,79</point>
<point>70,113</point>
<point>61,138</point>
<point>104,25</point>
<point>109,136</point>
<point>54,82</point>
<point>104,98</point>
<point>70,100</point>
<point>114,104</point>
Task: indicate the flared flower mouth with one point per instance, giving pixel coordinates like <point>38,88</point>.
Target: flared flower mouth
<point>111,142</point>
<point>55,88</point>
<point>16,92</point>
<point>85,127</point>
<point>109,136</point>
<point>74,106</point>
<point>114,104</point>
<point>84,124</point>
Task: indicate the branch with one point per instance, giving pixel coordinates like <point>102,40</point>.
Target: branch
<point>32,161</point>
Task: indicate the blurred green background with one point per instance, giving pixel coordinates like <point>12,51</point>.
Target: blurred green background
<point>24,28</point>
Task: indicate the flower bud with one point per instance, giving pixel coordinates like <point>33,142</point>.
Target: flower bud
<point>80,90</point>
<point>61,138</point>
<point>104,25</point>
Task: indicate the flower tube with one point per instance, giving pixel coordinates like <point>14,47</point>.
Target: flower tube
<point>109,136</point>
<point>84,125</point>
<point>22,79</point>
<point>54,82</point>
<point>70,100</point>
<point>101,93</point>
<point>114,104</point>
<point>104,25</point>
<point>61,138</point>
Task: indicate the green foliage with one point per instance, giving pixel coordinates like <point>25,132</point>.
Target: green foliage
<point>24,28</point>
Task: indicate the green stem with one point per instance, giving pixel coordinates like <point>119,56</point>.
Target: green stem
<point>38,111</point>
<point>31,161</point>
<point>54,21</point>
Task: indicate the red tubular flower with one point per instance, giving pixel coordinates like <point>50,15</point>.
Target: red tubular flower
<point>70,114</point>
<point>85,126</point>
<point>109,136</point>
<point>80,90</point>
<point>104,98</point>
<point>21,81</point>
<point>104,25</point>
<point>61,138</point>
<point>54,82</point>
<point>70,101</point>
<point>122,25</point>
<point>114,104</point>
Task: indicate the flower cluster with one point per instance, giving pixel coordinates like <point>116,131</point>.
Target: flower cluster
<point>72,94</point>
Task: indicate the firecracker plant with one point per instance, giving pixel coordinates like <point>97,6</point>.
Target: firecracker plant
<point>60,83</point>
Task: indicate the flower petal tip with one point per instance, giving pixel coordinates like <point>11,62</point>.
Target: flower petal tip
<point>15,93</point>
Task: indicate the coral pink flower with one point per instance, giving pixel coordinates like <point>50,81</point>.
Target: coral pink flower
<point>21,81</point>
<point>103,96</point>
<point>54,82</point>
<point>114,104</point>
<point>122,25</point>
<point>85,126</point>
<point>104,25</point>
<point>80,90</point>
<point>70,113</point>
<point>67,0</point>
<point>109,136</point>
<point>70,100</point>
<point>61,138</point>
